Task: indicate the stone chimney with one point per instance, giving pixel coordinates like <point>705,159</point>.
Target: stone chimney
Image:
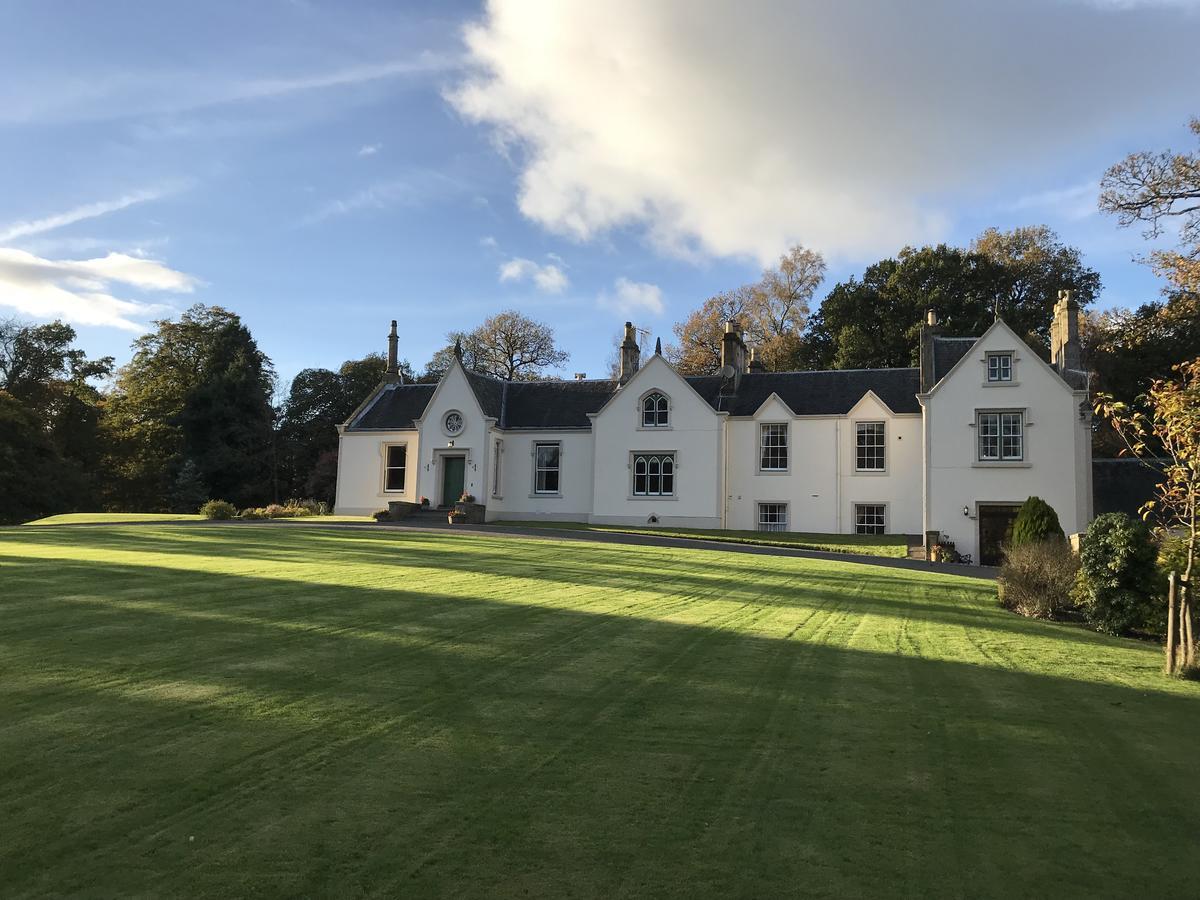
<point>755,366</point>
<point>929,331</point>
<point>393,364</point>
<point>1065,350</point>
<point>733,357</point>
<point>630,354</point>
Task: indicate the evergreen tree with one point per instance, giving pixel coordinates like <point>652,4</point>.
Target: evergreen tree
<point>189,492</point>
<point>1036,522</point>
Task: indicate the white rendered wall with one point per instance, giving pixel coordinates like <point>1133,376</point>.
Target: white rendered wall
<point>821,485</point>
<point>1057,463</point>
<point>361,471</point>
<point>517,500</point>
<point>694,435</point>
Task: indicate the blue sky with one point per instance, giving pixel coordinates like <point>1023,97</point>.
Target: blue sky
<point>322,168</point>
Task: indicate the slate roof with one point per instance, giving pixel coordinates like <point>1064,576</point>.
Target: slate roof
<point>566,404</point>
<point>395,406</point>
<point>947,351</point>
<point>817,393</point>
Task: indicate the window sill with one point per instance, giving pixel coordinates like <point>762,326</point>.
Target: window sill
<point>537,496</point>
<point>871,472</point>
<point>651,497</point>
<point>997,384</point>
<point>654,428</point>
<point>1001,464</point>
<point>774,472</point>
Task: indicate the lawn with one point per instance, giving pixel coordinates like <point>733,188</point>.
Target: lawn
<point>254,710</point>
<point>100,518</point>
<point>889,545</point>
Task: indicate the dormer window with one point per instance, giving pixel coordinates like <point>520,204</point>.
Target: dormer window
<point>999,367</point>
<point>655,413</point>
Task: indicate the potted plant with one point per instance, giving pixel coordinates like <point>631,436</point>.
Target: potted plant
<point>943,551</point>
<point>456,517</point>
<point>424,503</point>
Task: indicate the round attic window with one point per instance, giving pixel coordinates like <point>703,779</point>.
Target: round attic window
<point>453,423</point>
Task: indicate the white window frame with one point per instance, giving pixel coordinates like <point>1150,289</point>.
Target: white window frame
<point>786,446</point>
<point>883,467</point>
<point>662,410</point>
<point>649,456</point>
<point>388,468</point>
<point>997,356</point>
<point>556,469</point>
<point>1003,417</point>
<point>857,505</point>
<point>779,524</point>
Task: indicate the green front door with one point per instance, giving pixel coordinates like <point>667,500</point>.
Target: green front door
<point>453,470</point>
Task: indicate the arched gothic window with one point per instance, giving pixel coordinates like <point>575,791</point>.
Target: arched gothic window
<point>655,411</point>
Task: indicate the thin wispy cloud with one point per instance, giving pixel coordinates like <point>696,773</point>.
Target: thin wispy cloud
<point>80,291</point>
<point>1073,203</point>
<point>21,229</point>
<point>548,278</point>
<point>376,196</point>
<point>629,297</point>
<point>369,149</point>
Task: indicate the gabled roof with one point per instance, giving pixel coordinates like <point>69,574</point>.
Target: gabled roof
<point>395,407</point>
<point>568,404</point>
<point>1072,379</point>
<point>817,393</point>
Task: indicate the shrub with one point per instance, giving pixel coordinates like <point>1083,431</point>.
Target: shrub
<point>1118,575</point>
<point>218,509</point>
<point>1036,579</point>
<point>1036,522</point>
<point>308,507</point>
<point>251,513</point>
<point>382,516</point>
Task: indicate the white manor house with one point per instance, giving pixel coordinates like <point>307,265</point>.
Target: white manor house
<point>953,446</point>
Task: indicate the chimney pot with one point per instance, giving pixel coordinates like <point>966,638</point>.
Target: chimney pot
<point>630,354</point>
<point>393,365</point>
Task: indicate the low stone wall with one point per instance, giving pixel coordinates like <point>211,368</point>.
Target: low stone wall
<point>400,509</point>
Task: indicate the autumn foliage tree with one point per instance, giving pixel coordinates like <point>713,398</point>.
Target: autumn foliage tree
<point>507,345</point>
<point>1168,423</point>
<point>773,311</point>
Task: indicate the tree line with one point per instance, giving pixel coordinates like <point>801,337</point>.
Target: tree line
<point>193,415</point>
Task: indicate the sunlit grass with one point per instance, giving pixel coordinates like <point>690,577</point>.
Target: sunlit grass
<point>234,710</point>
<point>97,518</point>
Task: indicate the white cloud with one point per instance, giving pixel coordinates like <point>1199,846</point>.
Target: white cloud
<point>851,127</point>
<point>489,242</point>
<point>549,278</point>
<point>78,214</point>
<point>1073,203</point>
<point>369,149</point>
<point>629,297</point>
<point>376,196</point>
<point>79,290</point>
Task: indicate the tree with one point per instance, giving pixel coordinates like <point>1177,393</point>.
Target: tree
<point>142,429</point>
<point>507,345</point>
<point>318,400</point>
<point>1154,188</point>
<point>1168,422</point>
<point>875,321</point>
<point>188,492</point>
<point>1118,573</point>
<point>773,312</point>
<point>1128,349</point>
<point>227,423</point>
<point>37,480</point>
<point>1036,522</point>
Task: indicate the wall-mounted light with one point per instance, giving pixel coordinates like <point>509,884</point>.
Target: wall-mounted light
<point>967,511</point>
<point>449,443</point>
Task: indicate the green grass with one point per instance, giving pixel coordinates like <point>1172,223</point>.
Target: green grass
<point>231,711</point>
<point>114,518</point>
<point>889,545</point>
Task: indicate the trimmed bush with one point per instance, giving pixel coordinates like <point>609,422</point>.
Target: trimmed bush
<point>218,509</point>
<point>1036,579</point>
<point>1119,580</point>
<point>251,513</point>
<point>1036,522</point>
<point>381,515</point>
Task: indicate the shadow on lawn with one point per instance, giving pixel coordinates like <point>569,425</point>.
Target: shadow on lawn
<point>737,578</point>
<point>377,740</point>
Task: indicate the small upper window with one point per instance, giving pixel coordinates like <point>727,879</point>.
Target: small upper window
<point>655,413</point>
<point>1000,366</point>
<point>397,459</point>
